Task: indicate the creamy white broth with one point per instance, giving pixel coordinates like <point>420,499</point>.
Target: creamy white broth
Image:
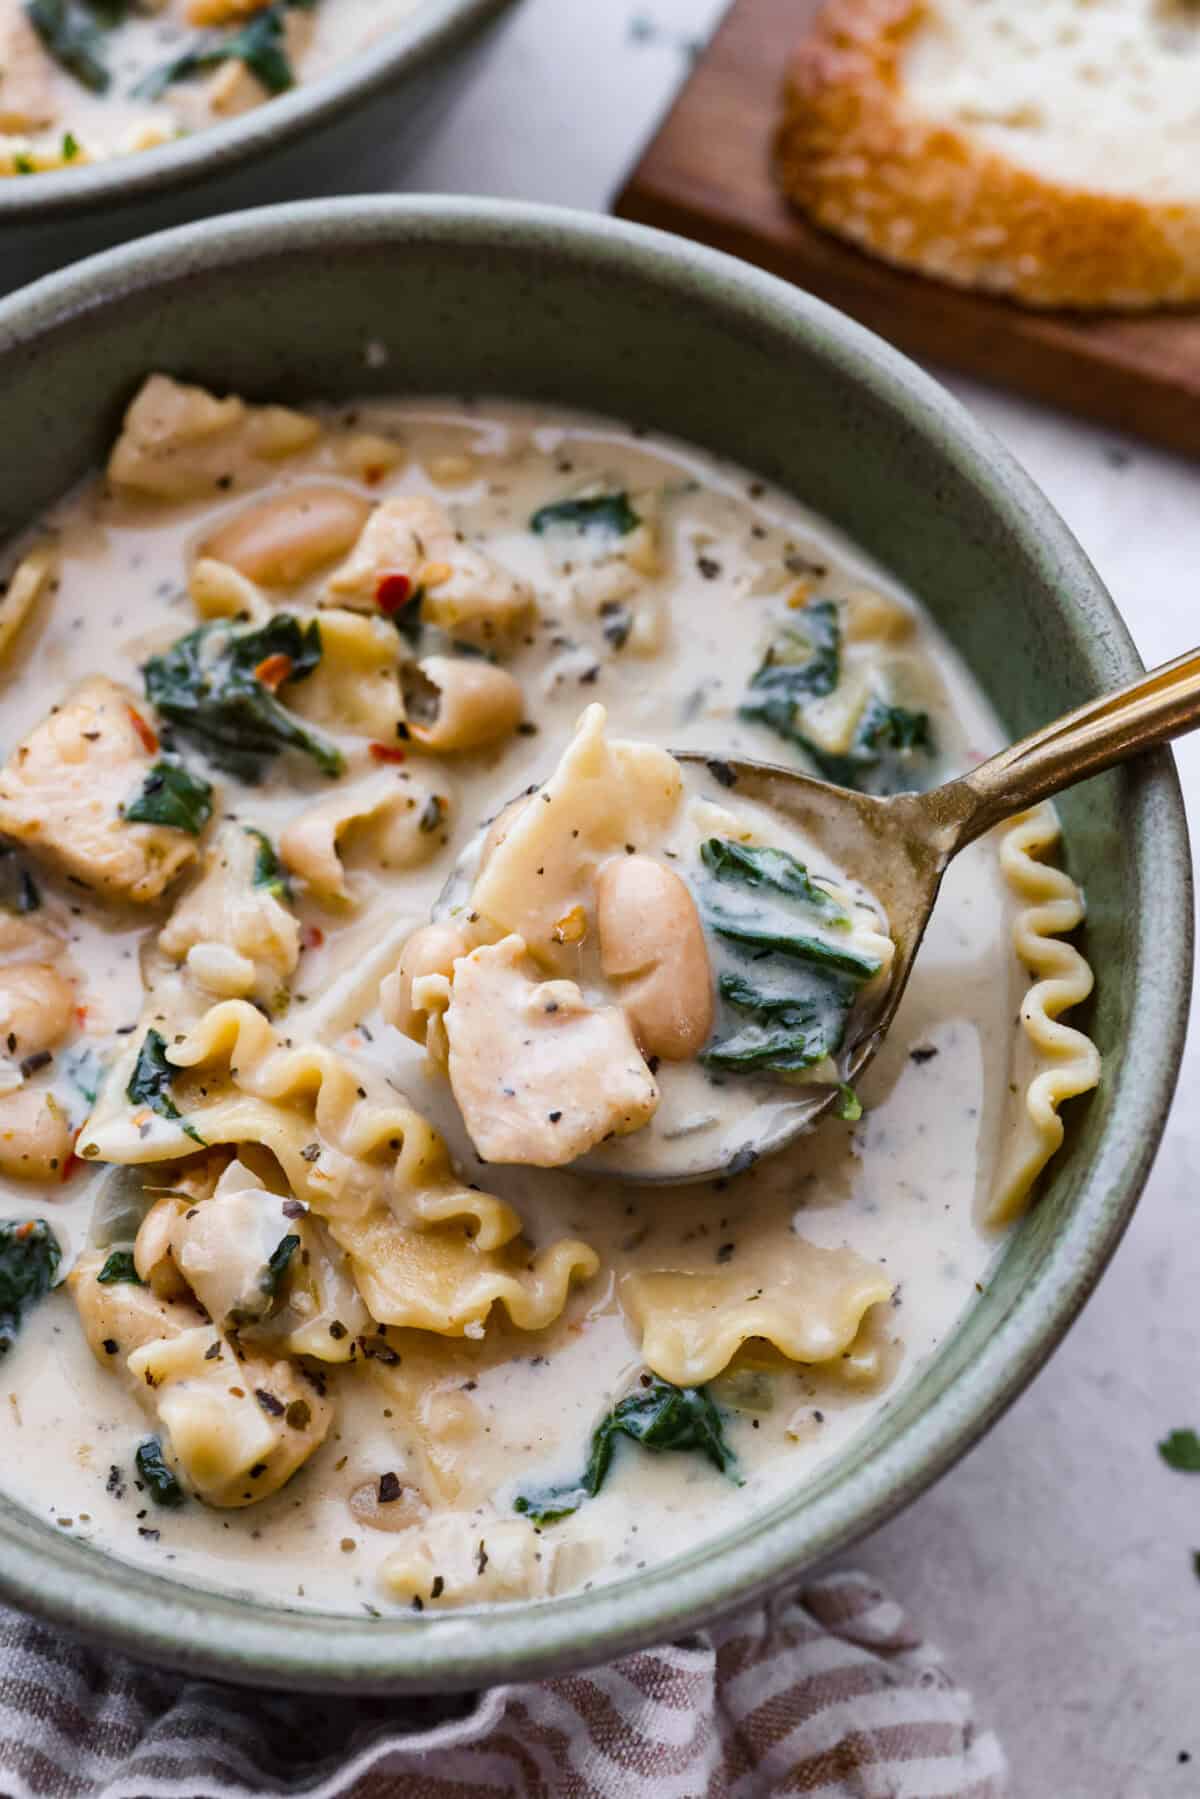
<point>53,117</point>
<point>903,1187</point>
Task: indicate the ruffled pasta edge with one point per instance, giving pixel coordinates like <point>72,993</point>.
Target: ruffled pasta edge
<point>1067,1062</point>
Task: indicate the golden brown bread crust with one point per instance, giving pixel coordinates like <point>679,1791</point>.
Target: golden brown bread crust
<point>862,162</point>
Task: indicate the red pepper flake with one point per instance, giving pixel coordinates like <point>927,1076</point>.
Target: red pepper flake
<point>273,671</point>
<point>146,735</point>
<point>312,936</point>
<point>81,1013</point>
<point>392,592</point>
<point>387,752</point>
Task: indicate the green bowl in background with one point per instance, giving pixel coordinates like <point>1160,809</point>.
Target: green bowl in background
<point>403,296</point>
<point>324,136</point>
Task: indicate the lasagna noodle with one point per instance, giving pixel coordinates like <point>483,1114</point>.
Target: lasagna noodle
<point>809,1302</point>
<point>1059,1062</point>
<point>426,1251</point>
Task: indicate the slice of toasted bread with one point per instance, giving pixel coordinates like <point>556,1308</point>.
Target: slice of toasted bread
<point>1044,149</point>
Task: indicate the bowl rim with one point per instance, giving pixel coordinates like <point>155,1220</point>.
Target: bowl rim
<point>431,29</point>
<point>171,1624</point>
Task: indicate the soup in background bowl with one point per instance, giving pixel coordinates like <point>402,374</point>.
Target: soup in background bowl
<point>343,1335</point>
<point>117,119</point>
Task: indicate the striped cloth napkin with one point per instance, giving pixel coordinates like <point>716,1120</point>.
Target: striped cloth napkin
<point>827,1692</point>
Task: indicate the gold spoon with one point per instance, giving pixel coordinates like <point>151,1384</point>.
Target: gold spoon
<point>900,847</point>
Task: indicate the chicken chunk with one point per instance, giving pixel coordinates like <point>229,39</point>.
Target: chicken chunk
<point>231,929</point>
<point>463,590</point>
<point>236,1425</point>
<point>540,1076</point>
<point>63,790</point>
<point>26,86</point>
<point>459,1559</point>
<point>182,443</point>
<point>233,1446</point>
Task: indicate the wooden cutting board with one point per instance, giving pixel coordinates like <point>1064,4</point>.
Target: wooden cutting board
<point>707,175</point>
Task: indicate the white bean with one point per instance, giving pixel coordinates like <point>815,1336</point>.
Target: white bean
<point>281,541</point>
<point>652,944</point>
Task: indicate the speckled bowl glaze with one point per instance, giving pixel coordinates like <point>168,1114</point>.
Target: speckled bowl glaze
<point>322,137</point>
<point>390,296</point>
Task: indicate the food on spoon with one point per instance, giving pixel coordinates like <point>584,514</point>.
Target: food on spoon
<point>606,873</point>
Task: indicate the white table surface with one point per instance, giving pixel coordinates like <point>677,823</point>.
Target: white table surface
<point>1054,1564</point>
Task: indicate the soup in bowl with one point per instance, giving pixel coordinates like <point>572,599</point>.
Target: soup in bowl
<point>363,935</point>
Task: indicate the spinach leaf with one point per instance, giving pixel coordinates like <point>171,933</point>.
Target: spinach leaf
<point>1180,1449</point>
<point>268,869</point>
<point>887,742</point>
<point>601,515</point>
<point>172,795</point>
<point>759,867</point>
<point>71,33</point>
<point>152,1469</point>
<point>18,889</point>
<point>659,1417</point>
<point>150,1084</point>
<point>786,907</point>
<point>802,664</point>
<point>786,999</point>
<point>261,45</point>
<point>784,1033</point>
<point>119,1270</point>
<point>277,1265</point>
<point>29,1259</point>
<point>207,685</point>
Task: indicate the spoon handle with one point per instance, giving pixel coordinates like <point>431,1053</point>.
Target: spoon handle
<point>1159,705</point>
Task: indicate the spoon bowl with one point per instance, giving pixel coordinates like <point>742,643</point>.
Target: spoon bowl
<point>899,847</point>
<point>896,847</point>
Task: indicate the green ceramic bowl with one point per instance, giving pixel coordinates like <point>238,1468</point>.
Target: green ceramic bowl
<point>465,296</point>
<point>323,137</point>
